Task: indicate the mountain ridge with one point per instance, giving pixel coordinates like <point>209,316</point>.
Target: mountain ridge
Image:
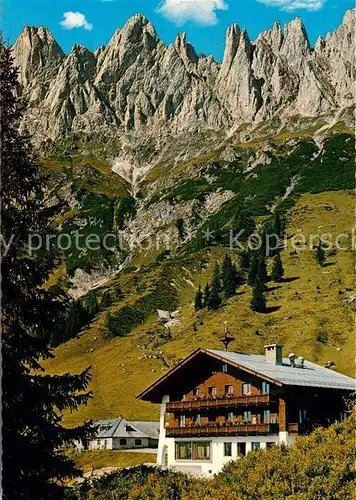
<point>137,85</point>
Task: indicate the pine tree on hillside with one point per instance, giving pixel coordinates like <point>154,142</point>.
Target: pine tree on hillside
<point>206,295</point>
<point>118,291</point>
<point>75,318</point>
<point>198,301</point>
<point>245,261</point>
<point>33,402</point>
<point>278,225</point>
<point>258,301</point>
<point>229,277</point>
<point>106,300</point>
<point>92,304</point>
<point>320,255</point>
<point>112,325</point>
<point>262,271</point>
<point>277,269</point>
<point>214,298</point>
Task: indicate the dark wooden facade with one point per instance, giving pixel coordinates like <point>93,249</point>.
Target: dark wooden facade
<point>210,398</point>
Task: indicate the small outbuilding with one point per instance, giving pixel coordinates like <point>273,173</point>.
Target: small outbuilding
<point>119,433</point>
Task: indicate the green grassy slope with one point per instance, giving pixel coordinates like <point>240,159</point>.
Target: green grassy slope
<point>309,304</point>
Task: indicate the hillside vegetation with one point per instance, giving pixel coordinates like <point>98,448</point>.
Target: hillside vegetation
<point>307,314</point>
<point>318,467</point>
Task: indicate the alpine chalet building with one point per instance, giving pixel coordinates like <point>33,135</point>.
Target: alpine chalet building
<point>219,405</point>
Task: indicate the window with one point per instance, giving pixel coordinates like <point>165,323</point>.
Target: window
<point>269,445</point>
<point>212,391</point>
<point>224,368</point>
<point>246,389</point>
<point>229,389</point>
<point>247,416</point>
<point>212,417</point>
<point>187,450</point>
<point>302,415</point>
<point>230,416</point>
<point>201,450</point>
<point>266,417</point>
<point>181,420</point>
<point>227,449</point>
<point>123,442</point>
<point>197,419</point>
<point>256,446</point>
<point>138,442</point>
<point>265,388</point>
<point>196,391</point>
<point>241,449</point>
<point>343,416</point>
<point>184,451</point>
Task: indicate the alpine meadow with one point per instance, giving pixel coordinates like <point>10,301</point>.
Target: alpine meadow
<point>177,246</point>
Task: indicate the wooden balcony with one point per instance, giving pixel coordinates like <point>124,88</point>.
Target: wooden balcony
<point>222,430</point>
<point>223,402</point>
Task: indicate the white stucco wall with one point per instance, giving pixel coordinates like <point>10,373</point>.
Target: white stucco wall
<point>114,443</point>
<point>100,444</point>
<point>217,458</point>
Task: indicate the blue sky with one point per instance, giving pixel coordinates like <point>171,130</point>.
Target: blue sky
<point>92,22</point>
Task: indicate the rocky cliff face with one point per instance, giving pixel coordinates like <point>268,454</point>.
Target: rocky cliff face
<point>138,84</point>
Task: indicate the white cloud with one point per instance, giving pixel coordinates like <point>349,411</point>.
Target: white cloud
<point>75,20</point>
<point>199,11</point>
<point>291,5</point>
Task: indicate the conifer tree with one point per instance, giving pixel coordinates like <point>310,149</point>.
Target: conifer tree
<point>278,225</point>
<point>106,300</point>
<point>228,277</point>
<point>118,291</point>
<point>214,298</point>
<point>92,304</point>
<point>33,436</point>
<point>253,268</point>
<point>320,255</point>
<point>262,271</point>
<point>277,269</point>
<point>198,301</point>
<point>245,261</point>
<point>258,301</point>
<point>206,295</point>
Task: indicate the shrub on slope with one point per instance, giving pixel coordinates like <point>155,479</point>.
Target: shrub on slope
<point>319,466</point>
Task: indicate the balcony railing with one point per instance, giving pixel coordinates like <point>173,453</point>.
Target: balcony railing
<point>223,430</point>
<point>225,402</point>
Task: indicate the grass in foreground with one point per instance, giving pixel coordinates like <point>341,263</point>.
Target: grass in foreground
<point>89,460</point>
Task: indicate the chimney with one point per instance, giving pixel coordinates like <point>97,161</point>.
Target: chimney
<point>273,353</point>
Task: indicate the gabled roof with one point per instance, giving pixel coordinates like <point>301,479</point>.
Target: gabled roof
<point>122,428</point>
<point>312,375</point>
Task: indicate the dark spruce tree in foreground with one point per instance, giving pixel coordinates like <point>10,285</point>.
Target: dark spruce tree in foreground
<point>277,269</point>
<point>34,463</point>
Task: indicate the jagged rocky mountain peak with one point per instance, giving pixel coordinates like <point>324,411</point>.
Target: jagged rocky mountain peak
<point>138,84</point>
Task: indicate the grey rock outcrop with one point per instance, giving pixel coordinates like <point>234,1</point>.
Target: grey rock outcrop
<point>138,85</point>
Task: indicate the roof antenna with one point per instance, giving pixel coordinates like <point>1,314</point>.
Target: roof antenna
<point>227,338</point>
